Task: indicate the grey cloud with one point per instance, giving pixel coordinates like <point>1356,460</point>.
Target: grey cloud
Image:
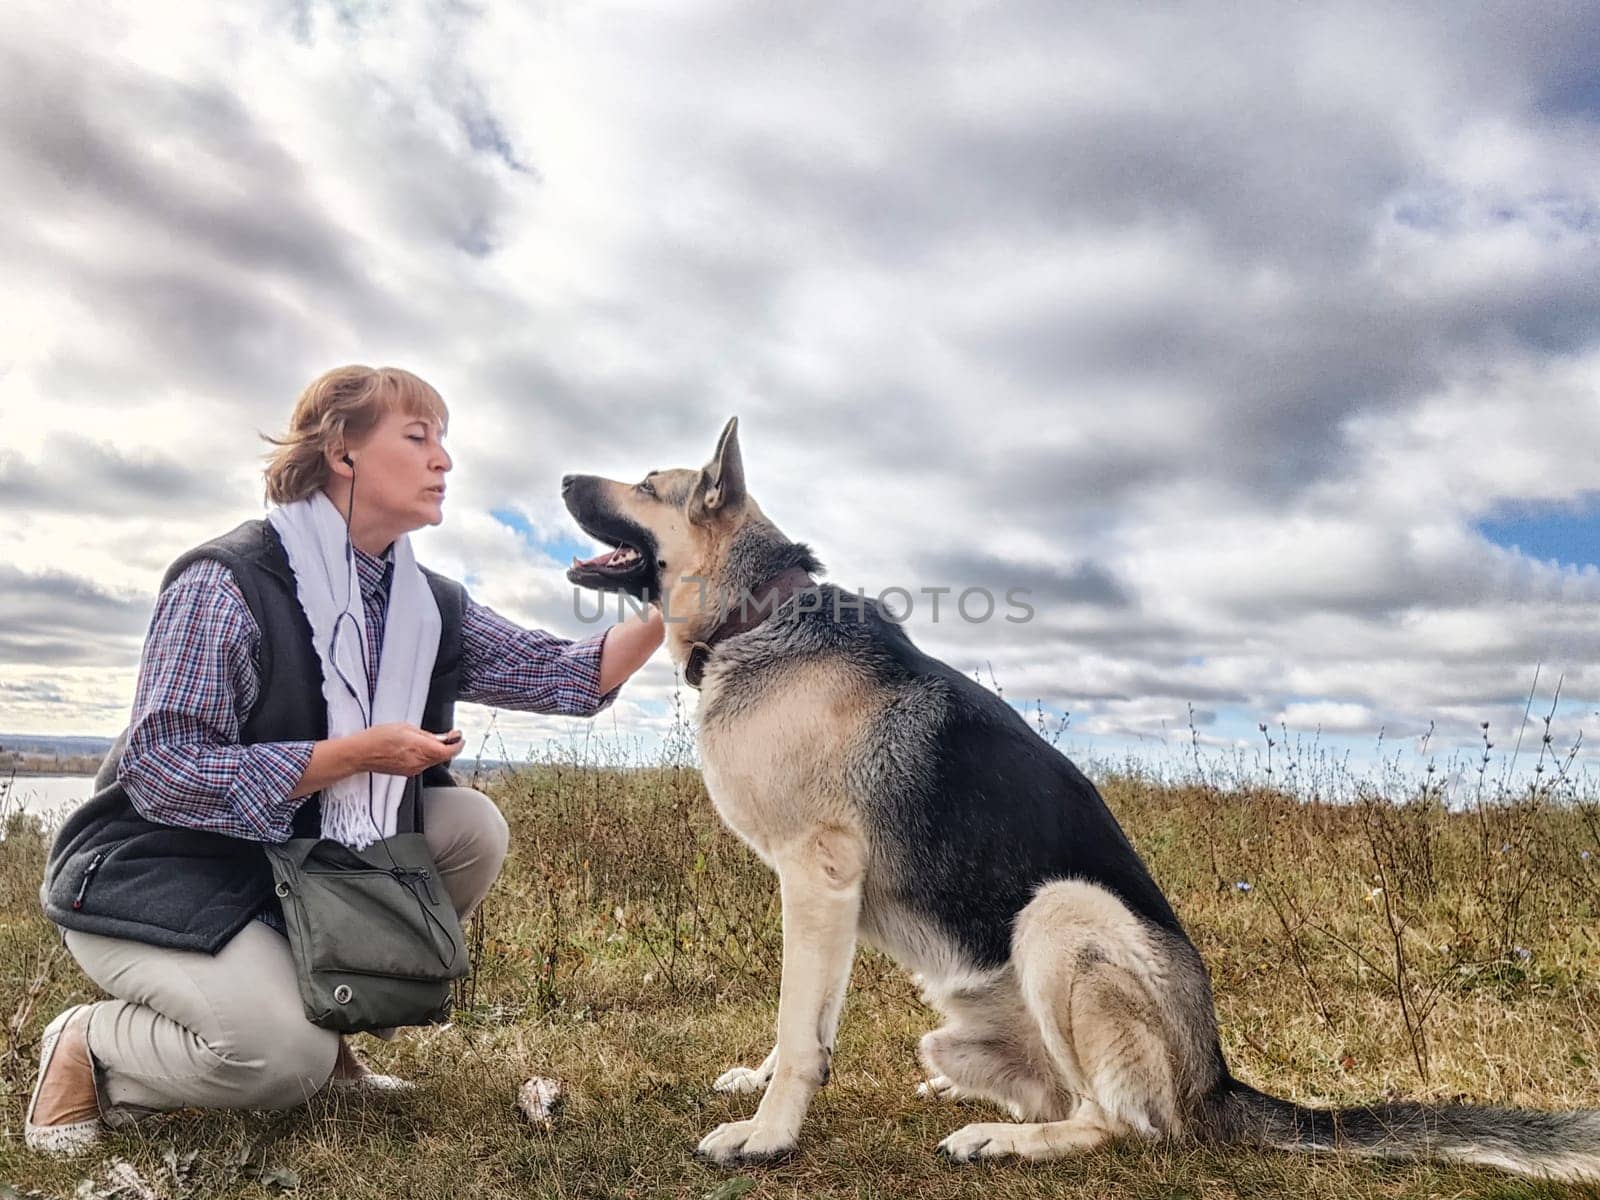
<point>58,651</point>
<point>1213,130</point>
<point>1534,68</point>
<point>54,601</point>
<point>561,416</point>
<point>238,291</point>
<point>38,691</point>
<point>1245,176</point>
<point>485,132</point>
<point>1280,384</point>
<point>1406,583</point>
<point>873,427</point>
<point>1055,633</point>
<point>54,618</point>
<point>1573,94</point>
<point>1074,493</point>
<point>696,286</point>
<point>74,131</point>
<point>433,193</point>
<point>1268,174</point>
<point>1079,583</point>
<point>1150,683</point>
<point>225,336</point>
<point>74,474</point>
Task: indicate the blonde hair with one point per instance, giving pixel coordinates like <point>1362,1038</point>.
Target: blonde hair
<point>340,407</point>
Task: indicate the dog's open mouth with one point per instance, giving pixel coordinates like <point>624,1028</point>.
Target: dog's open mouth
<point>622,560</point>
<point>626,567</point>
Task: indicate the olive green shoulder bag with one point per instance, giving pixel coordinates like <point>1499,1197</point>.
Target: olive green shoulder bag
<point>375,939</point>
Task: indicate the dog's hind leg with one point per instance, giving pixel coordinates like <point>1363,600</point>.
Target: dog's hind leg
<point>1104,992</point>
<point>819,881</point>
<point>989,1049</point>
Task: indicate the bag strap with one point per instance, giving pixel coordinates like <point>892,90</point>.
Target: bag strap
<point>408,819</point>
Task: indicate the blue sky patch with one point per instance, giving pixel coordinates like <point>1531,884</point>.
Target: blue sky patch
<point>516,522</point>
<point>1568,533</point>
<point>561,548</point>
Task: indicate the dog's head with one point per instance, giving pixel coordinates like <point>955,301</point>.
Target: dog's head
<point>681,537</point>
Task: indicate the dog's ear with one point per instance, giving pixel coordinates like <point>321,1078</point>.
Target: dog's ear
<point>721,484</point>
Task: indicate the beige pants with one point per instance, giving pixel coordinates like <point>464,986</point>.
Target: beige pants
<point>193,1030</point>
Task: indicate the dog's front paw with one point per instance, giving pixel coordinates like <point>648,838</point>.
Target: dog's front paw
<point>742,1080</point>
<point>745,1142</point>
<point>972,1142</point>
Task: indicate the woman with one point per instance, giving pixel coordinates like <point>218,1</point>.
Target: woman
<point>297,671</point>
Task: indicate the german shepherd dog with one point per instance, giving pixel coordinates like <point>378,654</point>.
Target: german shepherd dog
<point>901,802</point>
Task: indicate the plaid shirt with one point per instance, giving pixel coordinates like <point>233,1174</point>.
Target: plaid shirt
<point>199,678</point>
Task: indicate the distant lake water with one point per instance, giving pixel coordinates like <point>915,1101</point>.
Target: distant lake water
<point>52,795</point>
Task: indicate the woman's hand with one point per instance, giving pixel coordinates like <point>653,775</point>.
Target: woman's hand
<point>402,749</point>
<point>393,749</point>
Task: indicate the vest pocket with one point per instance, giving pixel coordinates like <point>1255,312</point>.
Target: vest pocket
<point>89,873</point>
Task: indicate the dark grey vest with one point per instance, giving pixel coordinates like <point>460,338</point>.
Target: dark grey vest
<point>113,872</point>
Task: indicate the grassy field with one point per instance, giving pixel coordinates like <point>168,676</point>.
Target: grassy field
<point>1384,947</point>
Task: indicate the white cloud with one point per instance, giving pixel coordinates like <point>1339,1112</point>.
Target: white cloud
<point>1328,716</point>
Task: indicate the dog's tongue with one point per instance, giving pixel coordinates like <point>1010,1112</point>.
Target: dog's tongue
<point>599,560</point>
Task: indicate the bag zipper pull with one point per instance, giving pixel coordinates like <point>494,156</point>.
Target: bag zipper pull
<point>88,874</point>
<point>427,886</point>
<point>406,874</point>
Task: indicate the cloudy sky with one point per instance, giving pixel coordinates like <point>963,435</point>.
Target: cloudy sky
<point>1261,344</point>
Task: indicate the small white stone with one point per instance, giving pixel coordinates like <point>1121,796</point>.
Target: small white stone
<point>538,1099</point>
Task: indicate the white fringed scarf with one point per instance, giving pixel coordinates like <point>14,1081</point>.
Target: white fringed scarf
<point>326,584</point>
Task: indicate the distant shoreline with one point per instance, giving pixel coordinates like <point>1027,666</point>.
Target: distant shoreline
<point>45,754</point>
<point>62,771</point>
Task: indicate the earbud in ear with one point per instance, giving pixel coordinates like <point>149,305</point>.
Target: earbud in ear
<point>346,461</point>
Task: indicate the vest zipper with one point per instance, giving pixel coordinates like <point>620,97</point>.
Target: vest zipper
<point>88,874</point>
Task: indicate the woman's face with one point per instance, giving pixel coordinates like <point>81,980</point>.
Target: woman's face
<point>399,474</point>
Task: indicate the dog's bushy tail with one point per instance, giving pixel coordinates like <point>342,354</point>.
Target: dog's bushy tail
<point>1562,1146</point>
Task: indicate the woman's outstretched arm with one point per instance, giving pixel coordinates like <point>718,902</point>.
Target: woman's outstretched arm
<point>628,646</point>
<point>508,666</point>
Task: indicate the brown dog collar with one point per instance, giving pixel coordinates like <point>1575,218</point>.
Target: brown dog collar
<point>746,615</point>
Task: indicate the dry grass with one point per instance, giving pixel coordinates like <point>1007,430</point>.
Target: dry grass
<point>631,949</point>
